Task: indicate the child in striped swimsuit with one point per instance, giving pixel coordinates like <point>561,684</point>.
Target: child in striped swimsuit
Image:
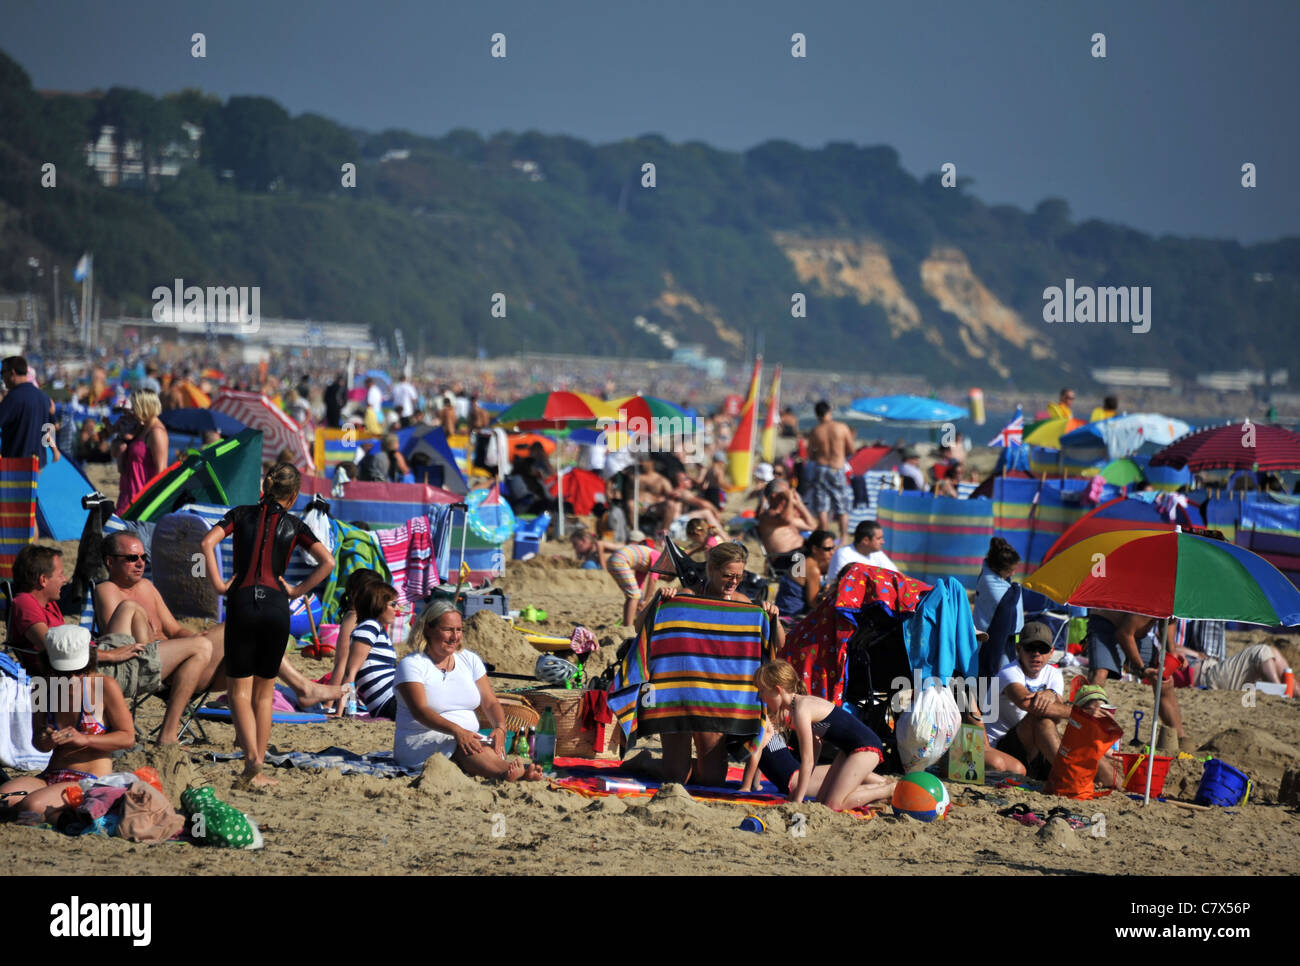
<point>625,565</point>
<point>372,662</point>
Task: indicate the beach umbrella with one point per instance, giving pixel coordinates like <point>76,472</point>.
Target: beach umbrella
<point>1047,433</point>
<point>1128,513</point>
<point>1122,472</point>
<point>279,432</point>
<point>1169,573</point>
<point>909,409</point>
<point>648,408</point>
<point>1164,574</point>
<point>1121,436</point>
<point>192,421</point>
<point>555,411</point>
<point>1236,446</point>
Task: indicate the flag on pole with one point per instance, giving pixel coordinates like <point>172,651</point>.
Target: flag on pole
<point>767,443</point>
<point>83,268</point>
<point>740,451</point>
<point>1012,433</point>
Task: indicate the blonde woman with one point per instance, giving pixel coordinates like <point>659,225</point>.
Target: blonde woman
<point>440,686</point>
<point>140,448</point>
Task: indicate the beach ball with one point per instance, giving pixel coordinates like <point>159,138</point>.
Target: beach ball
<point>921,796</point>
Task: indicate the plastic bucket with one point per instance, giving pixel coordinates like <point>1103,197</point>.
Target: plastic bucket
<point>1221,784</point>
<point>1135,772</point>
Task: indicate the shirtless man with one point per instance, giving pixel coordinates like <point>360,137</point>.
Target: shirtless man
<point>657,493</point>
<point>781,518</point>
<point>1112,645</point>
<point>151,647</point>
<point>129,605</point>
<point>830,443</point>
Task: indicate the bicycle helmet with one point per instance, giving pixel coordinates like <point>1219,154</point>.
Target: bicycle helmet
<point>554,670</point>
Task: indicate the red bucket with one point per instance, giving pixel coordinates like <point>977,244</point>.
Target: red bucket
<point>1135,771</point>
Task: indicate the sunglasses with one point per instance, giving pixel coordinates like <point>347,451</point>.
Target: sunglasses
<point>131,557</point>
<point>829,549</point>
<point>1036,647</point>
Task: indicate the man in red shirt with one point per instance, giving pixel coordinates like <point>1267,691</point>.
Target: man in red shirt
<point>38,578</point>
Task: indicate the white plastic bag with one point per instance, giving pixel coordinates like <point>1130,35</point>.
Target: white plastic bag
<point>926,729</point>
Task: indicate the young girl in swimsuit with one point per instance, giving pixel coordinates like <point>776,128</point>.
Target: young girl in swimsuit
<point>82,736</point>
<point>257,604</point>
<point>846,783</point>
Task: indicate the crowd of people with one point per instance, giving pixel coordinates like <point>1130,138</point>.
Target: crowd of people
<point>436,691</point>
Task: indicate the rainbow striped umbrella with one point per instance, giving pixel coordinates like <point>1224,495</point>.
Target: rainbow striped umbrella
<point>556,410</point>
<point>1169,573</point>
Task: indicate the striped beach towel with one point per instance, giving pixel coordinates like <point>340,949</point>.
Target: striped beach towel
<point>17,508</point>
<point>692,669</point>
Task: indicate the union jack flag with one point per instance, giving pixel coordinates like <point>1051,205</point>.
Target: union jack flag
<point>1012,433</point>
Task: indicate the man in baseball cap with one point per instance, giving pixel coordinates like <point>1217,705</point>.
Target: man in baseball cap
<point>1030,703</point>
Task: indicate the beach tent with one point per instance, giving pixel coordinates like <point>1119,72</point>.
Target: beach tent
<point>195,422</point>
<point>59,489</point>
<point>227,473</point>
<point>580,489</point>
<point>279,432</point>
<point>431,459</point>
<point>866,458</point>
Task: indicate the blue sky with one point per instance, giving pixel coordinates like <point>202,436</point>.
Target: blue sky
<point>1152,136</point>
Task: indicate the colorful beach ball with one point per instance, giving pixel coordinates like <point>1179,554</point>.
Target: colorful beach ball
<point>921,796</point>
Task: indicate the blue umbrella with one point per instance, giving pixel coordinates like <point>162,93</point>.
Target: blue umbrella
<point>196,422</point>
<point>909,409</point>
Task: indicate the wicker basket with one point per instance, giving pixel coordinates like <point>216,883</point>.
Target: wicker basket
<point>519,715</point>
<point>570,740</point>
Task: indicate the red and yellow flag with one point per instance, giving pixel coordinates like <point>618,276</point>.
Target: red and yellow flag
<point>740,451</point>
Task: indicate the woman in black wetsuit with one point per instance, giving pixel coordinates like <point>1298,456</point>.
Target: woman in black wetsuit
<point>257,603</point>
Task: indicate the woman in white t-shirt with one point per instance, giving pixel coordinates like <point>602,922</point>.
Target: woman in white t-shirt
<point>439,688</point>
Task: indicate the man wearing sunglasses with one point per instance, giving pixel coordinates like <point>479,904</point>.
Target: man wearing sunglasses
<point>147,645</point>
<point>1030,703</point>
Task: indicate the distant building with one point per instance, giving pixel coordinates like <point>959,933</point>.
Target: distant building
<point>102,156</point>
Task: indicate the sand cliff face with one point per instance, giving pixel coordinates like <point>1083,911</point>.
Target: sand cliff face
<point>860,268</point>
<point>853,267</point>
<point>679,305</point>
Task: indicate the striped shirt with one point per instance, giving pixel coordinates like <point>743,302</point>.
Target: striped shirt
<point>375,679</point>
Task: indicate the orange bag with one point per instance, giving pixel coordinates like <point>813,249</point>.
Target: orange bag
<point>1083,745</point>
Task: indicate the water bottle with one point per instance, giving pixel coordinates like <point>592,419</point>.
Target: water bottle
<point>521,743</point>
<point>350,701</point>
<point>544,744</point>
